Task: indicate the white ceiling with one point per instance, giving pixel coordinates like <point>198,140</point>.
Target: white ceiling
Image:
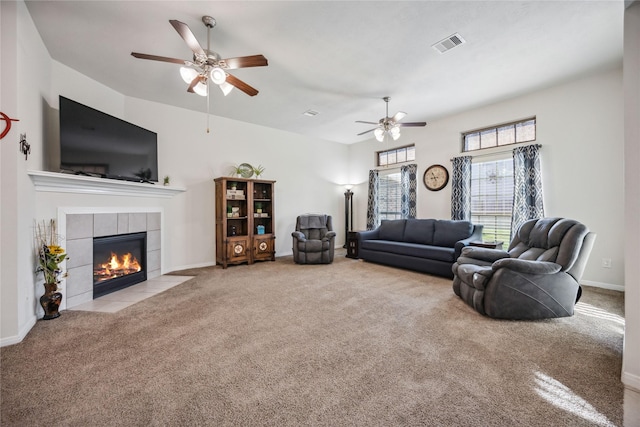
<point>338,57</point>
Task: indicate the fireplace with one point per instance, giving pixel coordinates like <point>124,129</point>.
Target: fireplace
<point>119,261</point>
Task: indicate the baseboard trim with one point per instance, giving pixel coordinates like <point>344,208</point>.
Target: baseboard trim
<point>190,266</point>
<point>21,335</point>
<point>631,381</point>
<point>602,285</point>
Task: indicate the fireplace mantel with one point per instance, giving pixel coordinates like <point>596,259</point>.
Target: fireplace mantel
<point>67,183</point>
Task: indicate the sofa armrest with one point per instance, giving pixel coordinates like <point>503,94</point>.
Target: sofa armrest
<point>526,266</point>
<point>367,235</point>
<point>299,235</point>
<point>475,237</point>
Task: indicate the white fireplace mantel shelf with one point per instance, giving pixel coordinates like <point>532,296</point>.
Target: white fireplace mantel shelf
<point>67,183</point>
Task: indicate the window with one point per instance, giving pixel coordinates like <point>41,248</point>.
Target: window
<point>390,195</point>
<point>492,198</point>
<point>510,133</point>
<point>397,155</point>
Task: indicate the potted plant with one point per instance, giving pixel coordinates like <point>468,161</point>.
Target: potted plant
<point>258,170</point>
<point>166,180</point>
<point>49,255</point>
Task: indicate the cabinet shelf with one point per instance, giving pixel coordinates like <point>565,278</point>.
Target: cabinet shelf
<point>237,238</point>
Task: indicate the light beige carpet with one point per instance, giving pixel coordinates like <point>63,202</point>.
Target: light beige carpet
<point>350,343</point>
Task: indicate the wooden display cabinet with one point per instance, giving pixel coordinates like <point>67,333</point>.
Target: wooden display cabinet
<point>245,215</point>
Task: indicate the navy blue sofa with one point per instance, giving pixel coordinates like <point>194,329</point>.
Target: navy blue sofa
<point>425,245</point>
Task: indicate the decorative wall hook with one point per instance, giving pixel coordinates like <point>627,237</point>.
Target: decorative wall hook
<point>7,126</point>
<point>25,147</point>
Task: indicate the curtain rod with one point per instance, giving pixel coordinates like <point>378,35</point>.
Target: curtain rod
<point>506,150</point>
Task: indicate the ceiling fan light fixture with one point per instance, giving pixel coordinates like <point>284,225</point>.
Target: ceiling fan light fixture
<point>188,74</point>
<point>225,88</point>
<point>218,76</point>
<point>395,132</point>
<point>200,89</point>
<point>379,134</point>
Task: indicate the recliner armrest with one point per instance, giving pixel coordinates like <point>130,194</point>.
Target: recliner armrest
<point>330,235</point>
<point>527,266</point>
<point>484,254</point>
<point>299,235</point>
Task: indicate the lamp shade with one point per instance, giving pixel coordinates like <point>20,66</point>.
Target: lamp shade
<point>188,74</point>
<point>395,132</point>
<point>225,88</point>
<point>379,134</point>
<point>200,89</point>
<point>218,76</point>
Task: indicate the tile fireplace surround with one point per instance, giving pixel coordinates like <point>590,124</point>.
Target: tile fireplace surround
<point>79,226</point>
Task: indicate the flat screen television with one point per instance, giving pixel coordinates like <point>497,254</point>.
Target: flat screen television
<point>96,144</point>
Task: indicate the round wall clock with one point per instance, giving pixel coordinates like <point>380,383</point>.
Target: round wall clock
<point>436,177</point>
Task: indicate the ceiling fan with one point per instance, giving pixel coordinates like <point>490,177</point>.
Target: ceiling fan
<point>389,127</point>
<point>207,65</point>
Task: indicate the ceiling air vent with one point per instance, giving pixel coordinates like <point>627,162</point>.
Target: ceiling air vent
<point>310,113</point>
<point>449,43</point>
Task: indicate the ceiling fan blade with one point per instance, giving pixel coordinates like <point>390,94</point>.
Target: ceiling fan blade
<point>367,131</point>
<point>241,85</point>
<point>243,62</point>
<point>413,124</point>
<point>160,58</point>
<point>399,116</point>
<point>193,83</point>
<point>186,34</point>
<point>369,123</point>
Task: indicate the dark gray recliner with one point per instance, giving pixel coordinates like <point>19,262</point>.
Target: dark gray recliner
<point>537,278</point>
<point>313,240</point>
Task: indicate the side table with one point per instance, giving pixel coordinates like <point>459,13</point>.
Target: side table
<point>352,244</point>
<point>490,245</point>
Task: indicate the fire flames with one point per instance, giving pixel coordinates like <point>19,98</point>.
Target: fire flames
<point>116,267</point>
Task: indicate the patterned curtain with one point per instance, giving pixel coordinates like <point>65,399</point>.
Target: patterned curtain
<point>527,186</point>
<point>408,187</point>
<point>461,188</point>
<point>373,216</point>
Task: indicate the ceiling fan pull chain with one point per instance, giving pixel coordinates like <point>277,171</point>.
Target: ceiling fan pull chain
<point>207,108</point>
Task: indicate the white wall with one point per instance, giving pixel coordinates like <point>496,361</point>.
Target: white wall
<point>631,356</point>
<point>580,127</point>
<point>26,74</point>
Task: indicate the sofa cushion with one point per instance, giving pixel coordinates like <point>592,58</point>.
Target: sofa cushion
<point>437,253</point>
<point>419,231</point>
<point>392,230</point>
<point>448,232</point>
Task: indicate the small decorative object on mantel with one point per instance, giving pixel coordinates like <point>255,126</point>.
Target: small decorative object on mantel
<point>166,180</point>
<point>49,255</point>
<point>25,147</point>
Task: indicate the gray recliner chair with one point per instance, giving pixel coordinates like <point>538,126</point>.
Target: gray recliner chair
<point>537,278</point>
<point>313,240</point>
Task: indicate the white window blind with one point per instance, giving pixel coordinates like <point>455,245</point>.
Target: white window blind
<point>397,155</point>
<point>389,195</point>
<point>492,198</point>
<point>510,133</point>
